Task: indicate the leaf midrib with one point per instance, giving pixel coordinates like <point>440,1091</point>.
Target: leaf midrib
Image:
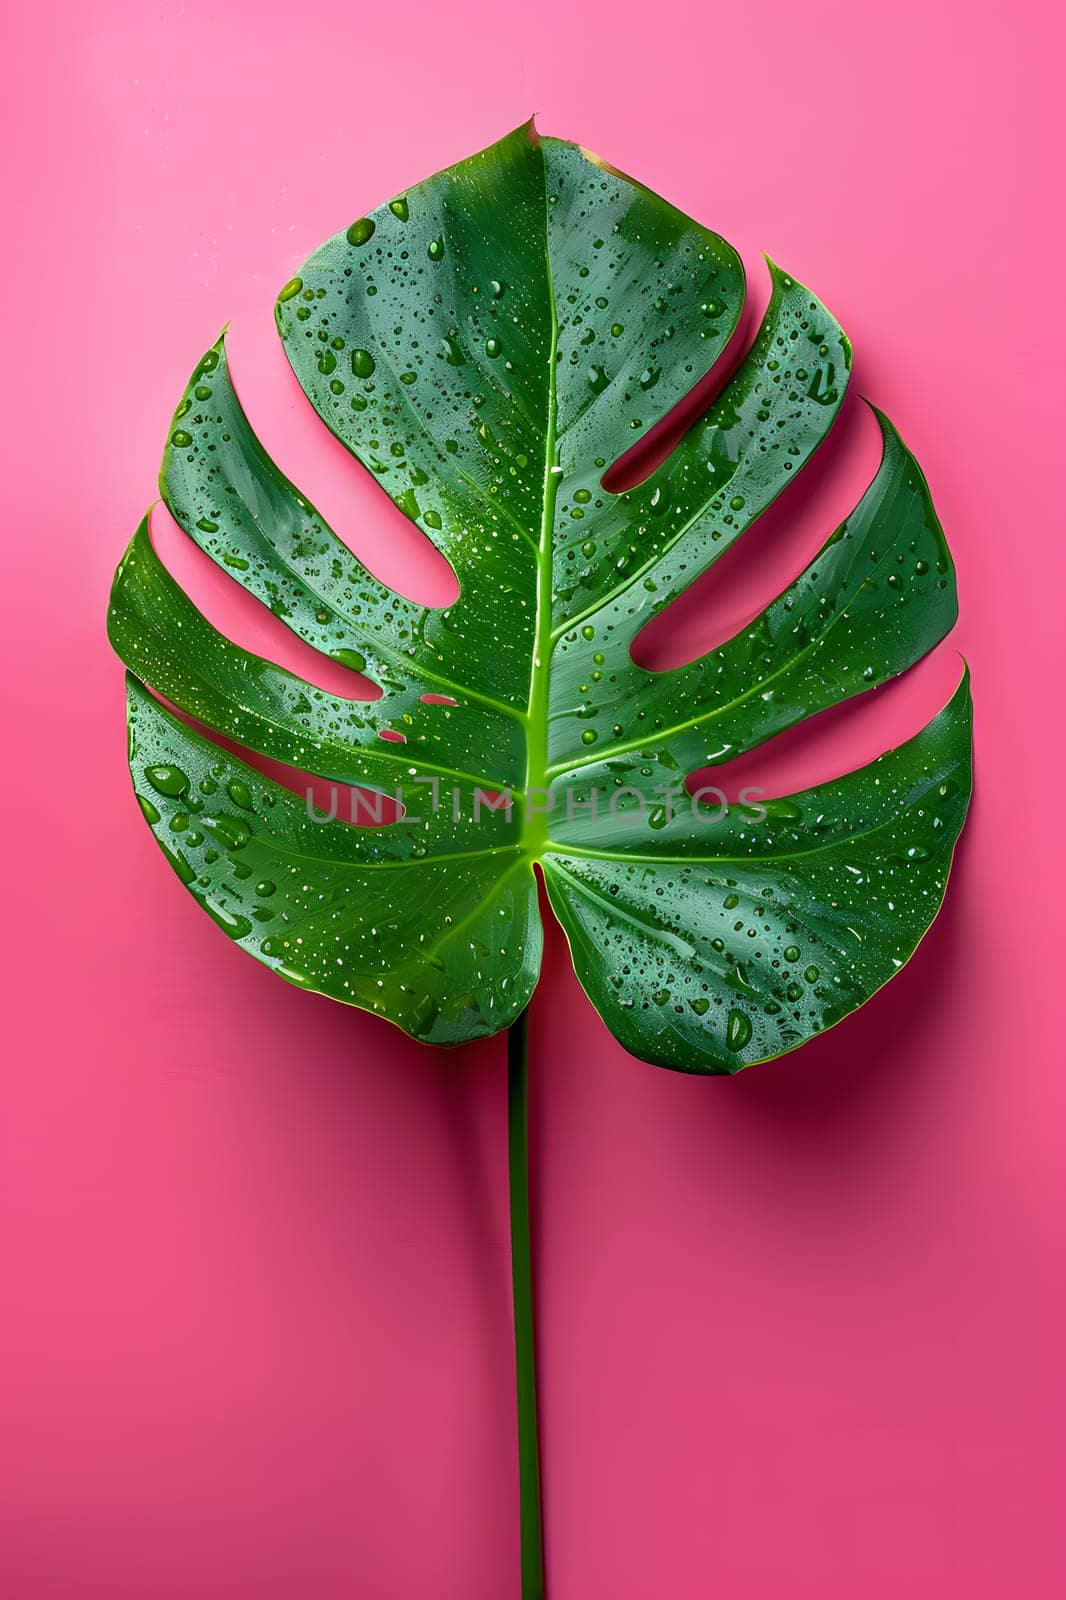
<point>536,829</point>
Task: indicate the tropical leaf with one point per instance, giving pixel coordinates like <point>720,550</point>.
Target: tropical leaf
<point>488,345</point>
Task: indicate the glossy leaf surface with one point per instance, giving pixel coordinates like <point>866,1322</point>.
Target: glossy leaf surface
<point>488,345</point>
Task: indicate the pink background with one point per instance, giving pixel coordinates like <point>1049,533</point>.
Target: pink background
<point>800,1332</point>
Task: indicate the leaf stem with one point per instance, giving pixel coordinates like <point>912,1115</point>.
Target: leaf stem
<point>522,1279</point>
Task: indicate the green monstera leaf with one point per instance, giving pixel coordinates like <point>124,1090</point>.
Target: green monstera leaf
<point>488,345</point>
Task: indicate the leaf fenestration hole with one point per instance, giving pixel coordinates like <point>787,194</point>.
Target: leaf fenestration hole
<point>840,739</point>
<point>344,803</point>
<point>657,442</point>
<point>392,547</point>
<point>769,555</point>
<point>243,619</point>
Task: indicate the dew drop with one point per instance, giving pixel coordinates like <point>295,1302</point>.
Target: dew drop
<point>240,794</point>
<point>230,922</point>
<point>167,780</point>
<point>738,1030</point>
<point>352,659</point>
<point>231,832</point>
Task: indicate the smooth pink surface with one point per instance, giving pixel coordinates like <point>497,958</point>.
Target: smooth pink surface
<point>801,1332</point>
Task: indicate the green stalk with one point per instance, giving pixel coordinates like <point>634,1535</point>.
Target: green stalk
<point>522,1278</point>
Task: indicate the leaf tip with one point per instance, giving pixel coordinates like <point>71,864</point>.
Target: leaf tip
<point>780,280</point>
